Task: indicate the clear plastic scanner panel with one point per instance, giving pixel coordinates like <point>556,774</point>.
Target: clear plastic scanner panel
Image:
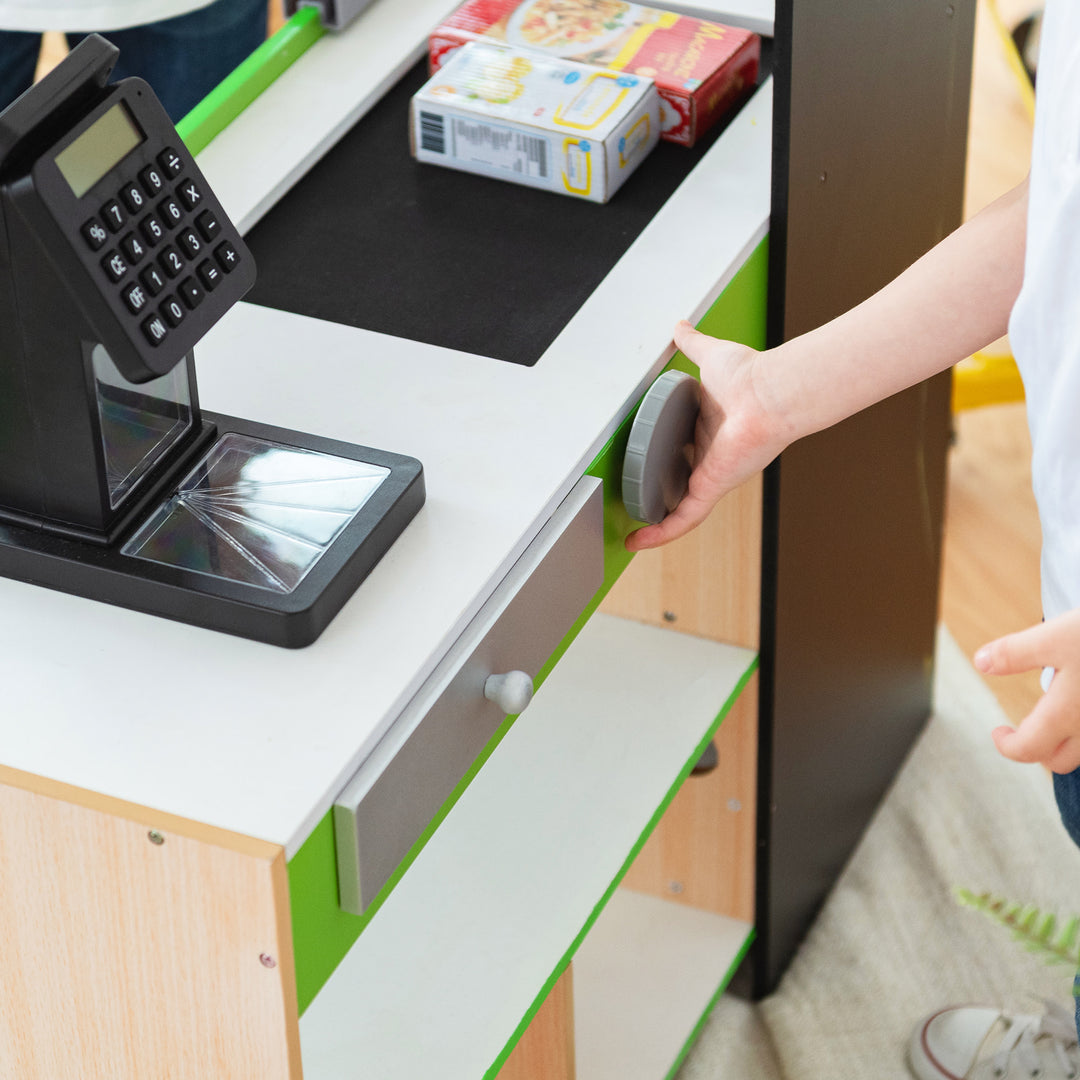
<point>140,424</point>
<point>257,513</point>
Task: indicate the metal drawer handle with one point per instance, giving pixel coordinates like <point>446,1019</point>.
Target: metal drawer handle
<point>511,692</point>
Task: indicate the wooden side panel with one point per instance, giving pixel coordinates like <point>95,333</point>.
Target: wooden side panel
<point>546,1050</point>
<point>706,583</point>
<point>137,945</point>
<point>702,852</point>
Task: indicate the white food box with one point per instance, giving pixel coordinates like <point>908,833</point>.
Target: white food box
<point>536,120</point>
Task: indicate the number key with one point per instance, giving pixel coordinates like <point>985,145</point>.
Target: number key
<point>152,181</point>
<point>152,229</point>
<point>189,242</point>
<point>172,310</point>
<point>152,279</point>
<point>114,265</point>
<point>171,262</point>
<point>114,215</point>
<point>133,248</point>
<point>171,163</point>
<point>94,234</point>
<point>171,213</point>
<point>133,197</point>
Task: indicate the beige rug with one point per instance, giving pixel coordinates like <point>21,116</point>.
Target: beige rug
<point>891,944</point>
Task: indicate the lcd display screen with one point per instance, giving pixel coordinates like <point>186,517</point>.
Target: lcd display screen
<point>101,146</point>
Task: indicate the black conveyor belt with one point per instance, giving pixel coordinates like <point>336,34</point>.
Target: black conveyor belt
<point>370,238</point>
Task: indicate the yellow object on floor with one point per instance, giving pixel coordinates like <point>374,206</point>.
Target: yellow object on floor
<point>985,379</point>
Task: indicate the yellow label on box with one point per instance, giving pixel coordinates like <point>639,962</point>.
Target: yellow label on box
<point>602,93</point>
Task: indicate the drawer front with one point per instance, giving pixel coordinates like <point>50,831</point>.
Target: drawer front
<point>420,762</point>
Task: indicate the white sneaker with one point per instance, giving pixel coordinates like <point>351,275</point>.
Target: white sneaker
<point>973,1042</point>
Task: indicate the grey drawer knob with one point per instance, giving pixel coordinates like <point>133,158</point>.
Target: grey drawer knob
<point>511,692</point>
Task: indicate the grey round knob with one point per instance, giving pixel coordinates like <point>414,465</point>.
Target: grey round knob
<point>656,468</point>
<point>511,692</point>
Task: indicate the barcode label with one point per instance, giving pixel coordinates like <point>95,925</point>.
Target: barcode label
<point>536,150</point>
<point>432,133</point>
<point>500,148</point>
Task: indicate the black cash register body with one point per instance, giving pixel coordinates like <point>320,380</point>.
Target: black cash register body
<point>115,259</point>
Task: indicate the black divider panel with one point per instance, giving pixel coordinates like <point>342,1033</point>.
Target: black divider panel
<point>372,239</point>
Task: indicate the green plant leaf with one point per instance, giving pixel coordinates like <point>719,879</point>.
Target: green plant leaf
<point>1032,928</point>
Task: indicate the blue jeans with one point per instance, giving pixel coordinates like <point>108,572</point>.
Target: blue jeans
<point>183,59</point>
<point>1067,791</point>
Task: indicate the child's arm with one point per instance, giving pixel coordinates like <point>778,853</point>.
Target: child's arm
<point>953,301</point>
<point>1050,733</point>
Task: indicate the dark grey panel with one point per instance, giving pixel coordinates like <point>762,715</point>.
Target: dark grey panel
<point>872,104</point>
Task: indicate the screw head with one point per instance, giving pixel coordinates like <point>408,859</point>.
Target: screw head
<point>670,616</point>
<point>267,960</point>
<point>155,837</point>
<point>675,887</point>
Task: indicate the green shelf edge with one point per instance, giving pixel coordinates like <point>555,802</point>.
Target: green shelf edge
<point>627,863</point>
<point>322,932</point>
<point>242,86</point>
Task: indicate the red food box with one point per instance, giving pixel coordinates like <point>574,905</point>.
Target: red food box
<point>700,68</point>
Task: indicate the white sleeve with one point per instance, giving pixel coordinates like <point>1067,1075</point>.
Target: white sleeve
<point>86,15</point>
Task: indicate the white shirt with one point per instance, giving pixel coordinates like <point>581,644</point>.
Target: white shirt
<point>1044,330</point>
<point>84,15</point>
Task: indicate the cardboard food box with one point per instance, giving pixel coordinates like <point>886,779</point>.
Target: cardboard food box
<point>700,68</point>
<point>535,120</point>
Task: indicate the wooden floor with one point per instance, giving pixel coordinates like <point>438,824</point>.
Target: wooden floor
<point>990,582</point>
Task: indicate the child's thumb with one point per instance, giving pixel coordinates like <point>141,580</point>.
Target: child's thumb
<point>685,336</point>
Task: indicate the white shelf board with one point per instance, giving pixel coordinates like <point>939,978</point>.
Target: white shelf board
<point>643,978</point>
<point>496,902</point>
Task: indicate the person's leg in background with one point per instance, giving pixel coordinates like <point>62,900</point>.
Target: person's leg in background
<point>18,61</point>
<point>184,58</point>
<point>1067,792</point>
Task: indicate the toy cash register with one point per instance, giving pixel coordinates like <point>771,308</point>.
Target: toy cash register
<point>115,259</point>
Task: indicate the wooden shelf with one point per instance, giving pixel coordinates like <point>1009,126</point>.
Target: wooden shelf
<point>499,900</point>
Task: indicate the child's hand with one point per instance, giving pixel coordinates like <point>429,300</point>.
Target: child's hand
<point>1050,733</point>
<point>735,438</point>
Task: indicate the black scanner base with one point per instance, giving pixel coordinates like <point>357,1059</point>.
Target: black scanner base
<point>175,580</point>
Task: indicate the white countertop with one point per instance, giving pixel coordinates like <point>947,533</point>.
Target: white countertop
<point>257,739</point>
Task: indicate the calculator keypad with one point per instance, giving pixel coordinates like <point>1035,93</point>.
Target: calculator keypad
<point>165,237</point>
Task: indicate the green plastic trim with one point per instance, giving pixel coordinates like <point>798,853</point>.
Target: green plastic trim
<point>627,863</point>
<point>322,932</point>
<point>241,87</point>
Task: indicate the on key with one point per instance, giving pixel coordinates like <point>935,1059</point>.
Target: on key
<point>155,330</point>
